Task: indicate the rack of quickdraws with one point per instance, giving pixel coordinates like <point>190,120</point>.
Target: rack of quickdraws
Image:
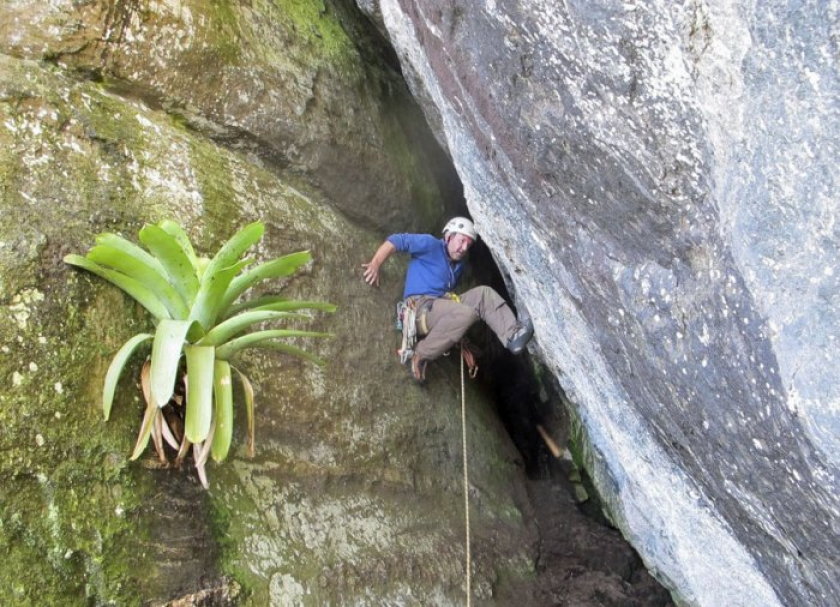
<point>398,321</point>
<point>405,323</point>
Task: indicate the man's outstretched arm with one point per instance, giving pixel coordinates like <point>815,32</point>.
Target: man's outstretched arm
<point>371,274</point>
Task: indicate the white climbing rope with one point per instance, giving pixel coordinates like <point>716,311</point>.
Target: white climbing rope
<point>466,481</point>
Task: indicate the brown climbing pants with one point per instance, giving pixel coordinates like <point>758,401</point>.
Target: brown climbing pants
<point>448,320</point>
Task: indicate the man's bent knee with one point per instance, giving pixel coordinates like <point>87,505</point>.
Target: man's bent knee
<point>483,298</point>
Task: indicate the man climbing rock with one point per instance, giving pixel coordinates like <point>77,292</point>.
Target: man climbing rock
<point>437,318</point>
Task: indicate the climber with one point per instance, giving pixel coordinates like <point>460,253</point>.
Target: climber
<point>440,317</point>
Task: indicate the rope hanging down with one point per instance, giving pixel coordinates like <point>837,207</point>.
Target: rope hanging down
<point>466,481</point>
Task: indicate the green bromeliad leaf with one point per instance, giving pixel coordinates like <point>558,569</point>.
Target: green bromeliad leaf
<point>220,272</point>
<point>292,350</point>
<point>321,306</point>
<point>166,354</point>
<point>152,276</point>
<point>252,304</point>
<point>223,392</point>
<point>144,296</point>
<point>276,268</point>
<point>169,252</point>
<point>129,248</point>
<point>233,249</point>
<point>116,368</point>
<point>252,339</point>
<point>181,237</point>
<point>200,371</point>
<point>208,301</point>
<point>226,330</point>
<point>279,304</point>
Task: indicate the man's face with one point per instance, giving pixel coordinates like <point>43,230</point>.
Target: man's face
<point>457,246</point>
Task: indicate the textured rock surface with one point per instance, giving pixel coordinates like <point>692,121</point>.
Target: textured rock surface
<point>299,84</point>
<point>595,131</point>
<point>115,114</point>
<point>658,182</point>
<point>355,491</point>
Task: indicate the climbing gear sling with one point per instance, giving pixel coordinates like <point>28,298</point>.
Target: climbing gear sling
<point>406,322</point>
<point>411,320</point>
<point>469,356</point>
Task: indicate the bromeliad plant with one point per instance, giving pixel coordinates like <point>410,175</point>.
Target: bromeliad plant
<point>194,304</point>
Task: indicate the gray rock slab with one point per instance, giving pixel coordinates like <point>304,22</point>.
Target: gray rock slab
<point>657,180</point>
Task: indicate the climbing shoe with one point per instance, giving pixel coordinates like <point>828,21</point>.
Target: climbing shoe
<point>521,337</point>
<point>418,369</point>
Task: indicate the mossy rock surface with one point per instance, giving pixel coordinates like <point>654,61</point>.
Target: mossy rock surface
<point>301,85</point>
<point>355,490</point>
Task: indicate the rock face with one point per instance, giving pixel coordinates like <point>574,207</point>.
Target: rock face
<point>657,180</point>
<point>628,166</point>
<point>296,85</point>
<point>355,492</point>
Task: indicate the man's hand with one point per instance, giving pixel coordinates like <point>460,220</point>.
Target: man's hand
<point>371,273</point>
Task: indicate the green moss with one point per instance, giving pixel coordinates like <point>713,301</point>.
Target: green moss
<point>425,194</point>
<point>516,569</point>
<point>68,497</point>
<point>213,173</point>
<point>317,25</point>
<point>226,31</point>
<point>576,442</point>
<point>74,516</point>
<point>104,119</point>
<point>224,527</point>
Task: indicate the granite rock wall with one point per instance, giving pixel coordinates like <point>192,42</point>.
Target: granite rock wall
<point>657,182</point>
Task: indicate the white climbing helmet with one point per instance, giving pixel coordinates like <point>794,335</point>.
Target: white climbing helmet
<point>461,225</point>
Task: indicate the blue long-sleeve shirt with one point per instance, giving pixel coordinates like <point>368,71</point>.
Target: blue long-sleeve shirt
<point>430,272</point>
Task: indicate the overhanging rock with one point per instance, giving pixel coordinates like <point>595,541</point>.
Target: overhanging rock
<point>656,179</point>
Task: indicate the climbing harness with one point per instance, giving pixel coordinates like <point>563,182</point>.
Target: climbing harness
<point>411,321</point>
<point>466,475</point>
